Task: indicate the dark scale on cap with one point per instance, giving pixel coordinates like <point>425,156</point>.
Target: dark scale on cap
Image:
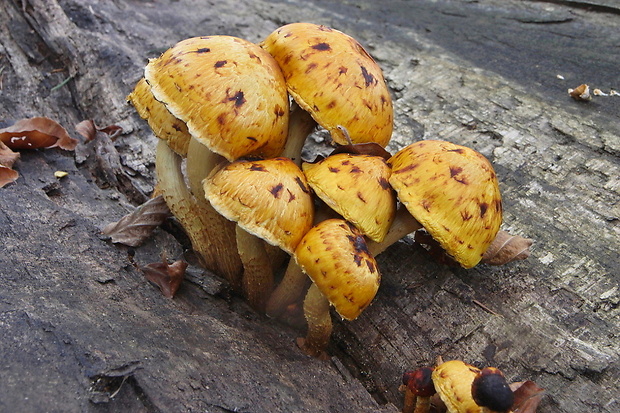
<point>361,197</point>
<point>355,169</point>
<point>251,138</point>
<point>302,185</point>
<point>385,184</point>
<point>334,170</point>
<point>311,67</point>
<point>322,47</point>
<point>491,390</point>
<point>342,70</point>
<point>279,111</point>
<point>483,209</point>
<point>257,167</point>
<point>466,215</point>
<point>276,190</point>
<point>407,168</point>
<point>238,98</point>
<point>291,196</point>
<point>203,50</point>
<point>220,63</point>
<point>455,170</point>
<point>369,79</point>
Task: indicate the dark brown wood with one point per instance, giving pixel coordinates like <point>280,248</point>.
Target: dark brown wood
<point>84,330</point>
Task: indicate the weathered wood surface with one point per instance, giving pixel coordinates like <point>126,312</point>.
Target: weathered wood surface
<point>83,331</point>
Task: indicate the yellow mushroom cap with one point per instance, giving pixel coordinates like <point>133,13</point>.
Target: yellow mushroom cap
<point>268,198</point>
<point>229,92</point>
<point>334,255</point>
<point>358,188</point>
<point>331,76</point>
<point>453,380</point>
<point>163,124</point>
<point>453,192</point>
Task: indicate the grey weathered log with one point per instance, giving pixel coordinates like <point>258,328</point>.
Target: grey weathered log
<point>84,331</point>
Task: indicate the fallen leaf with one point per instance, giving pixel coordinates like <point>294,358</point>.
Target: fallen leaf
<point>88,130</point>
<point>168,277</point>
<point>37,132</point>
<point>506,248</point>
<point>138,225</point>
<point>527,396</point>
<point>581,93</point>
<point>7,159</point>
<point>7,175</point>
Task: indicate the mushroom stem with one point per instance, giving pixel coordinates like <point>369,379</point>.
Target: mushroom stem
<point>422,404</point>
<point>257,281</point>
<point>293,283</point>
<point>300,126</point>
<point>404,223</point>
<point>219,232</point>
<point>410,400</point>
<point>289,290</point>
<point>316,311</point>
<point>181,203</point>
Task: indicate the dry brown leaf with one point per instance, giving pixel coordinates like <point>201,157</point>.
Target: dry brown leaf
<point>168,277</point>
<point>527,396</point>
<point>37,132</point>
<point>7,175</point>
<point>138,225</point>
<point>88,130</point>
<point>507,248</point>
<point>7,159</point>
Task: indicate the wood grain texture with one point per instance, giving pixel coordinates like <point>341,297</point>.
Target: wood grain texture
<point>81,322</point>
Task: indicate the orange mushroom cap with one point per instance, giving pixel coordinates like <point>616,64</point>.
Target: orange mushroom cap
<point>229,92</point>
<point>163,124</point>
<point>356,187</point>
<point>453,380</point>
<point>331,76</point>
<point>453,192</point>
<point>334,255</point>
<point>268,198</point>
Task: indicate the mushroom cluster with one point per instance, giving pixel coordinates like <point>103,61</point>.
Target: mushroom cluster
<point>238,113</point>
<point>457,387</point>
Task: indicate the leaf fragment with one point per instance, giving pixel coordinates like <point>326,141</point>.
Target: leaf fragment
<point>168,277</point>
<point>134,228</point>
<point>527,396</point>
<point>506,248</point>
<point>37,132</point>
<point>7,159</point>
<point>88,129</point>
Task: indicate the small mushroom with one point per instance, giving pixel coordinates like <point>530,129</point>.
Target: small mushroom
<point>491,391</point>
<point>453,192</point>
<point>269,199</point>
<point>453,381</point>
<point>231,95</point>
<point>356,187</point>
<point>419,389</point>
<point>331,77</point>
<point>344,274</point>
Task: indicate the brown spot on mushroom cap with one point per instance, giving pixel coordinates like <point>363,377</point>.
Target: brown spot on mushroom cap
<point>453,192</point>
<point>345,272</point>
<point>321,46</point>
